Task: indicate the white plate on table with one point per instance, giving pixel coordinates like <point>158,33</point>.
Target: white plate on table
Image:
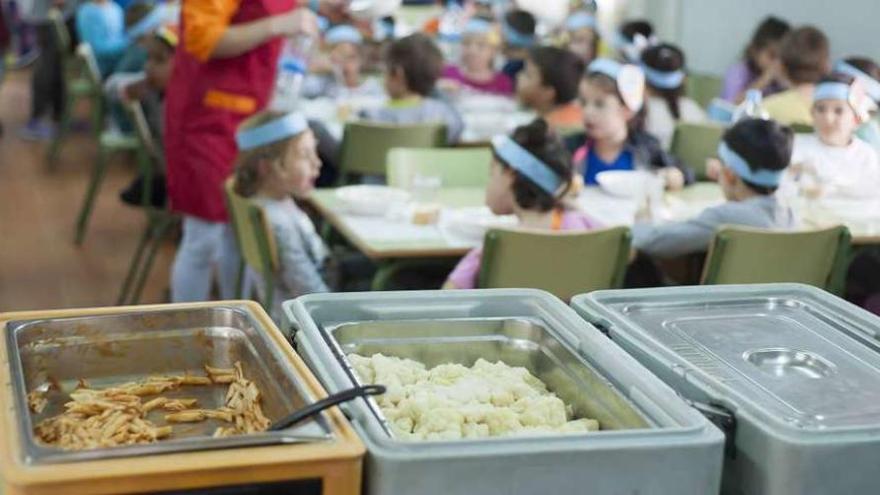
<point>473,222</point>
<point>371,200</point>
<point>625,183</point>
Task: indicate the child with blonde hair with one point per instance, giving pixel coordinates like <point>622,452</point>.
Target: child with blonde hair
<point>278,162</point>
<point>479,47</point>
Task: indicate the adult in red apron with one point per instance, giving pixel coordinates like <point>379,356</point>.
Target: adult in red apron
<point>224,72</point>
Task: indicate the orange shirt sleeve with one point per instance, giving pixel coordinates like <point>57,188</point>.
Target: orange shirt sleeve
<point>204,23</point>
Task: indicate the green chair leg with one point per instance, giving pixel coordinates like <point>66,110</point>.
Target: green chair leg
<point>164,222</point>
<point>61,132</point>
<point>134,265</point>
<point>388,269</point>
<point>98,173</point>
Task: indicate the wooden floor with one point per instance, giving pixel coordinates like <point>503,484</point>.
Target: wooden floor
<point>40,267</point>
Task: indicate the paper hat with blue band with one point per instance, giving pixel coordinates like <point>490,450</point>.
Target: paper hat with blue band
<point>477,26</point>
<point>527,164</point>
<point>580,20</point>
<point>763,177</point>
<point>854,94</point>
<point>663,79</point>
<point>271,132</point>
<point>515,38</point>
<point>630,80</point>
<point>831,91</point>
<point>343,34</point>
<point>872,86</point>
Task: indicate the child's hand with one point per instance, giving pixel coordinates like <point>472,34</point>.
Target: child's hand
<point>673,178</point>
<point>713,168</point>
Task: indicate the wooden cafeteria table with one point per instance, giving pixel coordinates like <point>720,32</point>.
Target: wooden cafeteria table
<point>396,244</point>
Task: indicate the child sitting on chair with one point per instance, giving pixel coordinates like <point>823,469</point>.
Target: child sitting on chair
<point>148,87</point>
<point>549,86</point>
<point>413,65</point>
<point>613,99</point>
<point>530,175</point>
<point>518,32</point>
<point>479,47</point>
<point>664,66</point>
<point>582,36</point>
<point>277,161</point>
<point>754,154</point>
<point>805,60</point>
<point>867,72</point>
<point>101,24</point>
<point>833,162</point>
<point>345,62</point>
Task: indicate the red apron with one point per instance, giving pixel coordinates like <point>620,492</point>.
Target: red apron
<point>204,104</point>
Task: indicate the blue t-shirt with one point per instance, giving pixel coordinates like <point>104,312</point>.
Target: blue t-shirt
<point>624,161</point>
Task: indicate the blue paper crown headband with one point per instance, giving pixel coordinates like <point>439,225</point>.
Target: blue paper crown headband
<point>610,68</point>
<point>285,127</point>
<point>580,20</point>
<point>763,177</point>
<point>832,91</point>
<point>872,86</point>
<point>663,79</point>
<point>343,34</point>
<point>515,38</point>
<point>477,26</point>
<point>519,159</point>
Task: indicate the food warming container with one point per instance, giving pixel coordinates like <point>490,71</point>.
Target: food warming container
<point>792,371</point>
<point>651,442</point>
<point>110,346</point>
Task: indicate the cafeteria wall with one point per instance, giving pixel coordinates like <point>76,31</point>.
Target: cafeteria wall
<point>714,32</point>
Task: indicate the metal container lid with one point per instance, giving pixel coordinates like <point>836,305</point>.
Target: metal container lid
<point>792,352</point>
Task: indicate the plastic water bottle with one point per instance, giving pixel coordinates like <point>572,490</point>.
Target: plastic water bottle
<point>751,107</point>
<point>292,68</point>
<point>449,30</point>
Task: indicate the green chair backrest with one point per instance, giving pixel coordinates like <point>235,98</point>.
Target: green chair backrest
<point>149,152</point>
<point>365,145</point>
<point>800,128</point>
<point>254,237</point>
<point>562,263</point>
<point>753,256</point>
<point>90,63</point>
<point>694,143</point>
<point>702,88</point>
<point>456,167</point>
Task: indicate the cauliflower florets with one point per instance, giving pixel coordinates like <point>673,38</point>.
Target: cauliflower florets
<point>451,401</point>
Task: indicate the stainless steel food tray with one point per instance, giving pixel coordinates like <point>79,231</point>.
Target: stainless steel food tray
<point>795,369</point>
<point>110,349</point>
<point>521,342</point>
<point>652,442</point>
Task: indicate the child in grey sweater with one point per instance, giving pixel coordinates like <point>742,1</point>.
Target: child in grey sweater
<point>754,154</point>
<point>413,66</point>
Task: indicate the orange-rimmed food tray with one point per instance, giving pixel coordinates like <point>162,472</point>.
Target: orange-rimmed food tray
<point>110,346</point>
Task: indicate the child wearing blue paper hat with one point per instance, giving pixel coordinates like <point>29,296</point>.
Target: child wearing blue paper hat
<point>278,161</point>
<point>518,34</point>
<point>868,73</point>
<point>531,174</point>
<point>582,35</point>
<point>664,67</point>
<point>613,99</point>
<point>833,162</point>
<point>754,154</point>
<point>346,59</point>
<point>476,71</point>
<point>412,67</point>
